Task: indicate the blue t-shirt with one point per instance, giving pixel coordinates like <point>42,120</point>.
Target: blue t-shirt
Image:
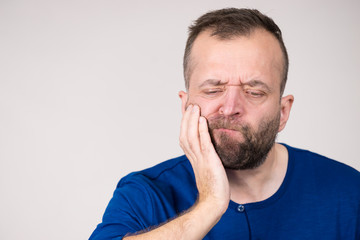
<point>318,199</point>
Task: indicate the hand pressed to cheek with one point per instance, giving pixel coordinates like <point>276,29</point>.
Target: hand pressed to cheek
<point>189,136</point>
<point>194,136</point>
<point>196,143</point>
<point>193,126</point>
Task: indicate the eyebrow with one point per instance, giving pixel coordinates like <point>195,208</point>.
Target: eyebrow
<point>212,82</point>
<point>257,83</point>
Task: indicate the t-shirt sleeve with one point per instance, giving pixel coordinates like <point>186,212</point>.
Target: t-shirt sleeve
<point>126,211</point>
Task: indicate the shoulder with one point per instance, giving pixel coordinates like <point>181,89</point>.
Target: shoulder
<point>321,163</point>
<point>168,170</point>
<point>157,187</point>
<point>168,180</point>
<point>324,170</point>
<point>144,198</point>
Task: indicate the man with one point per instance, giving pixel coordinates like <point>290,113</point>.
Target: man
<point>235,182</point>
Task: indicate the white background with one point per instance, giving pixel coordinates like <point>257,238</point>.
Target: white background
<point>88,93</point>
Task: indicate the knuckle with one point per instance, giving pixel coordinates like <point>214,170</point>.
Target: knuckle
<point>204,149</point>
<point>183,146</point>
<point>203,146</point>
<point>182,138</point>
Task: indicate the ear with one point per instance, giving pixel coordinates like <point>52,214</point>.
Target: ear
<point>184,98</point>
<point>286,104</point>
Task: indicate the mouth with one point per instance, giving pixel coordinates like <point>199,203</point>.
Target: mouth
<point>227,131</point>
<point>225,134</point>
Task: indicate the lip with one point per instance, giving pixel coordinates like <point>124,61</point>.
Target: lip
<point>226,130</point>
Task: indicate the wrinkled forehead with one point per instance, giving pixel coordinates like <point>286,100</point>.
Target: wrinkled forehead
<point>259,52</point>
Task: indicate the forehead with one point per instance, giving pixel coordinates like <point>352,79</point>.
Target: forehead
<point>236,60</point>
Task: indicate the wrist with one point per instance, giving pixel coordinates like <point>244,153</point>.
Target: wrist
<point>211,208</point>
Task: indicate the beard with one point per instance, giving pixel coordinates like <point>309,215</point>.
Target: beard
<point>249,153</point>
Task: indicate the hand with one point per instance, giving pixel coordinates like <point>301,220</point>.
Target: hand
<point>210,175</point>
<point>211,181</point>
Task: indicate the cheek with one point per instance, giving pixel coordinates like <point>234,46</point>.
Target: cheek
<point>207,110</point>
<point>207,107</point>
<point>271,114</point>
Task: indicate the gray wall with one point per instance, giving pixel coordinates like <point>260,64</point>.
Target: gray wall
<point>88,93</point>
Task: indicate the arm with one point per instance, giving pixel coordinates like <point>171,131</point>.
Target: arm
<point>194,224</point>
<point>211,181</point>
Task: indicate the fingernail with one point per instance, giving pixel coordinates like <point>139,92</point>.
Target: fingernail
<point>189,107</point>
<point>201,119</point>
<point>195,108</point>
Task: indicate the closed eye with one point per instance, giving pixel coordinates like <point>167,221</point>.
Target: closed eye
<point>255,93</point>
<point>213,91</point>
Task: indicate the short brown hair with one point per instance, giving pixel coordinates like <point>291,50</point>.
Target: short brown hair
<point>231,22</point>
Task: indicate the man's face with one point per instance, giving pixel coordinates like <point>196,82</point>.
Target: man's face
<point>236,83</point>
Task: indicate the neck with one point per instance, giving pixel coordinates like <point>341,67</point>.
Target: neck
<point>261,183</point>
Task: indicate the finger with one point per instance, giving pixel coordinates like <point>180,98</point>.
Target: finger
<point>184,143</point>
<point>204,136</point>
<point>184,124</point>
<point>193,129</point>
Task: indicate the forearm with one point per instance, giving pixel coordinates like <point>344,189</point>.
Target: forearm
<point>192,225</point>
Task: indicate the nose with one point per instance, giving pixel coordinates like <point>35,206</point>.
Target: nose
<point>232,103</point>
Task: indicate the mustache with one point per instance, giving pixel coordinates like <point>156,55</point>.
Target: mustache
<point>227,123</point>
